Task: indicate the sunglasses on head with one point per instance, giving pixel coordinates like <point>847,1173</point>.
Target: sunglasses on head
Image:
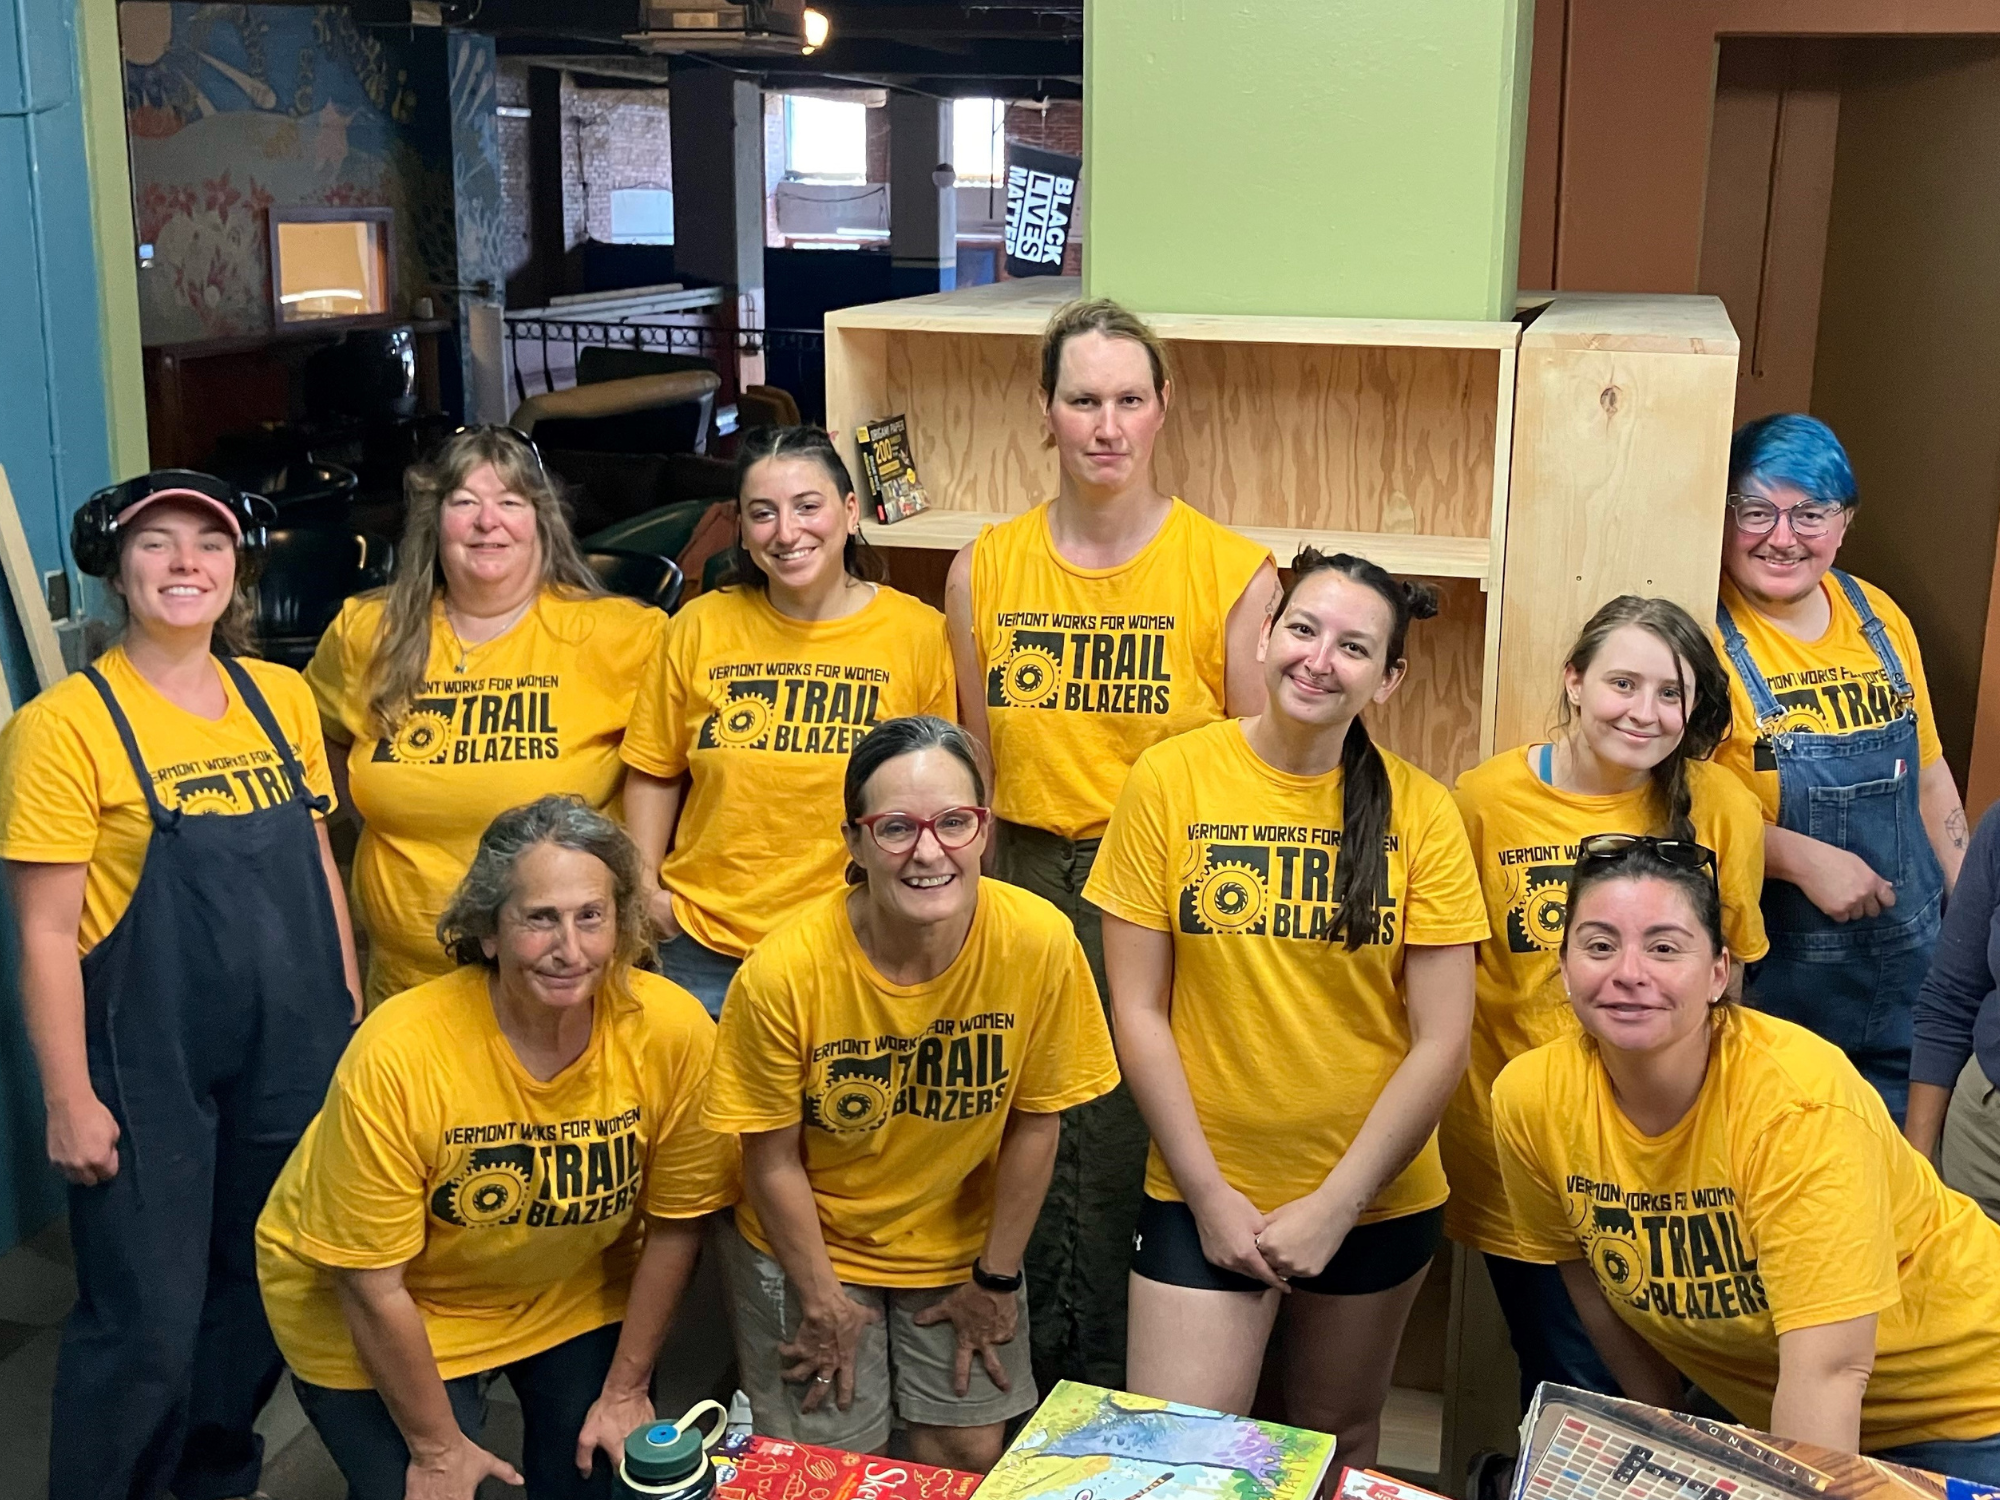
<point>1684,854</point>
<point>513,432</point>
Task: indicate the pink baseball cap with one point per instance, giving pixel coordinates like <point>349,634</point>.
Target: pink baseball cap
<point>181,492</point>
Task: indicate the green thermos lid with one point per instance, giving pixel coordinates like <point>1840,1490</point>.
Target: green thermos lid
<point>663,1454</point>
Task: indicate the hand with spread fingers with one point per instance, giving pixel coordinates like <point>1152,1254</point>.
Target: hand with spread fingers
<point>982,1320</point>
<point>824,1349</point>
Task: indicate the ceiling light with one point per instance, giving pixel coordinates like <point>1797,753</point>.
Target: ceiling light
<point>817,30</point>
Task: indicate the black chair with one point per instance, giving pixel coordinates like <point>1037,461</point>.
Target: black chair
<point>309,572</point>
<point>638,575</point>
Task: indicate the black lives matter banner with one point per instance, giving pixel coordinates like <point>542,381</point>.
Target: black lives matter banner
<point>1041,200</point>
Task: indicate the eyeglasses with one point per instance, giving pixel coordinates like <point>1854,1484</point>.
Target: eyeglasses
<point>1757,516</point>
<point>1684,854</point>
<point>898,832</point>
<point>513,432</point>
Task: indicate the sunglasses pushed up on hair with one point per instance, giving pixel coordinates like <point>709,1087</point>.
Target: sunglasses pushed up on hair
<point>1685,854</point>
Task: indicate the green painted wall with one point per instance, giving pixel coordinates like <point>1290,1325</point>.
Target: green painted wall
<point>1343,158</point>
<point>102,75</point>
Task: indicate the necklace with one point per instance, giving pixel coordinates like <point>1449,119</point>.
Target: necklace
<point>464,649</point>
<point>458,641</point>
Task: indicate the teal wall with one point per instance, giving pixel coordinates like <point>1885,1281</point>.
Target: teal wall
<point>1356,158</point>
<point>54,440</point>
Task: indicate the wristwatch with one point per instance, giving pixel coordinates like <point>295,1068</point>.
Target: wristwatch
<point>987,1281</point>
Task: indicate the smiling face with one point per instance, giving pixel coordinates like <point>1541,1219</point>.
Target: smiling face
<point>1640,970</point>
<point>176,567</point>
<point>1326,654</point>
<point>929,883</point>
<point>487,535</point>
<point>1105,414</point>
<point>1780,567</point>
<point>558,928</point>
<point>795,522</point>
<point>1631,701</point>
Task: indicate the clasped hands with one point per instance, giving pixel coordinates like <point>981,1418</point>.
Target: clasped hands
<point>1295,1239</point>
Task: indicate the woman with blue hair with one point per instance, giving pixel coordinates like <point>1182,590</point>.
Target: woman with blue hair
<point>1833,731</point>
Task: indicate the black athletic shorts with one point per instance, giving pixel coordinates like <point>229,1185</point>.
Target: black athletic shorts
<point>1373,1257</point>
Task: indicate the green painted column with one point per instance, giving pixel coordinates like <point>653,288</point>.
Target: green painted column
<point>1341,158</point>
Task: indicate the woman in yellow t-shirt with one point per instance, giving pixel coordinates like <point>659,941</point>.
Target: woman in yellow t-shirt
<point>1104,620</point>
<point>509,1173</point>
<point>895,1058</point>
<point>1729,1201</point>
<point>762,691</point>
<point>1645,702</point>
<point>1289,916</point>
<point>187,979</point>
<point>492,669</point>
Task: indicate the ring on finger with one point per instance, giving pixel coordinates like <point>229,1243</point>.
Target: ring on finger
<point>822,1379</point>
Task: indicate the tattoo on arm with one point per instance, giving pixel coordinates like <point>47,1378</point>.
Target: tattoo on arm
<point>1954,827</point>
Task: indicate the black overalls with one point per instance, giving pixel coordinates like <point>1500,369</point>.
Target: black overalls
<point>214,1013</point>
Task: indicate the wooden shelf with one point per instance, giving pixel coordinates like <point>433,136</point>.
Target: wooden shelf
<point>1424,556</point>
<point>1023,308</point>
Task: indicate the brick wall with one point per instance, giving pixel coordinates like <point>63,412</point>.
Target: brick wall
<point>512,88</point>
<point>612,138</point>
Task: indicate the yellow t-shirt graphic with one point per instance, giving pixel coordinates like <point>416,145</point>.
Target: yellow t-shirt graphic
<point>68,795</point>
<point>1524,834</point>
<point>1086,667</point>
<point>514,1203</point>
<point>1286,1039</point>
<point>904,1090</point>
<point>763,711</point>
<point>537,710</point>
<point>1785,1199</point>
<point>1834,685</point>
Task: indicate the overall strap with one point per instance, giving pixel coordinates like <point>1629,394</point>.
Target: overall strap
<point>1762,702</point>
<point>261,712</point>
<point>1877,633</point>
<point>162,818</point>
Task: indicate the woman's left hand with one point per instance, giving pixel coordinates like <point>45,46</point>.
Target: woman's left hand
<point>982,1320</point>
<point>1300,1237</point>
<point>612,1418</point>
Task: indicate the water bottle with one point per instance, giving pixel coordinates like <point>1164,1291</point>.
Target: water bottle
<point>669,1460</point>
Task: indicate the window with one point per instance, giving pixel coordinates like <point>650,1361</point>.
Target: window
<point>825,141</point>
<point>979,140</point>
<point>642,216</point>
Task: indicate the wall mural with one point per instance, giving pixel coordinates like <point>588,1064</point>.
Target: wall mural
<point>232,109</point>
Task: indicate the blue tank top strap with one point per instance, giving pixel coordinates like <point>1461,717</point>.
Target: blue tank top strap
<point>1763,702</point>
<point>162,816</point>
<point>253,699</point>
<point>1877,634</point>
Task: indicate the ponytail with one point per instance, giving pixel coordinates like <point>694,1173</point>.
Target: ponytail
<point>1704,693</point>
<point>1361,867</point>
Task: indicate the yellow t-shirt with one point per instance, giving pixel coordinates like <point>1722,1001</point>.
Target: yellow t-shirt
<point>762,711</point>
<point>1785,1199</point>
<point>1086,667</point>
<point>539,709</point>
<point>904,1090</point>
<point>1524,835</point>
<point>1834,685</point>
<point>1286,1039</point>
<point>515,1206</point>
<point>68,794</point>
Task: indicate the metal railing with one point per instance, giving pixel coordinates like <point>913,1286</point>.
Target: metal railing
<point>543,346</point>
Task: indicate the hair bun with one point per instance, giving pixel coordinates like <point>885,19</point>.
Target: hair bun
<point>1423,600</point>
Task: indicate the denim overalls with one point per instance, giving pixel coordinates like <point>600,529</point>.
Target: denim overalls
<point>1851,982</point>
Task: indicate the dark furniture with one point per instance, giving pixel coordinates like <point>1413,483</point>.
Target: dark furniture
<point>308,573</point>
<point>638,575</point>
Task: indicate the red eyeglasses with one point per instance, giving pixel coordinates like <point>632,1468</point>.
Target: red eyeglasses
<point>898,832</point>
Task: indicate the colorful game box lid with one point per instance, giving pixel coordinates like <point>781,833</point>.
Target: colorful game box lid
<point>1366,1484</point>
<point>761,1468</point>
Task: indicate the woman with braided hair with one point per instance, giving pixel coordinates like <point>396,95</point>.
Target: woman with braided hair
<point>1289,920</point>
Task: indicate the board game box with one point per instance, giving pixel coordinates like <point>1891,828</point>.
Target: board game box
<point>761,1468</point>
<point>1366,1484</point>
<point>1576,1445</point>
<point>1087,1443</point>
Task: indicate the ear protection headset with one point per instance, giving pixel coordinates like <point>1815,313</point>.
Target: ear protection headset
<point>95,528</point>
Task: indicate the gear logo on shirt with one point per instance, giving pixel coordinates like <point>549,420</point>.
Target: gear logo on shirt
<point>743,720</point>
<point>1030,674</point>
<point>1228,890</point>
<point>205,794</point>
<point>424,737</point>
<point>1539,908</point>
<point>855,1096</point>
<point>491,1188</point>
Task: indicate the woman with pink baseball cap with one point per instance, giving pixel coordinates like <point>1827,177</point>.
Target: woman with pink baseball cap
<point>188,979</point>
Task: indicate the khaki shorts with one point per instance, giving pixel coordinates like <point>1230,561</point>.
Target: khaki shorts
<point>898,1360</point>
<point>1969,1151</point>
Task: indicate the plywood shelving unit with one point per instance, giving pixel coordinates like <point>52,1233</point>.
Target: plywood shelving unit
<point>1532,468</point>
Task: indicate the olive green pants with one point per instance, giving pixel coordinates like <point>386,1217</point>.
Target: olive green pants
<point>1082,1246</point>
